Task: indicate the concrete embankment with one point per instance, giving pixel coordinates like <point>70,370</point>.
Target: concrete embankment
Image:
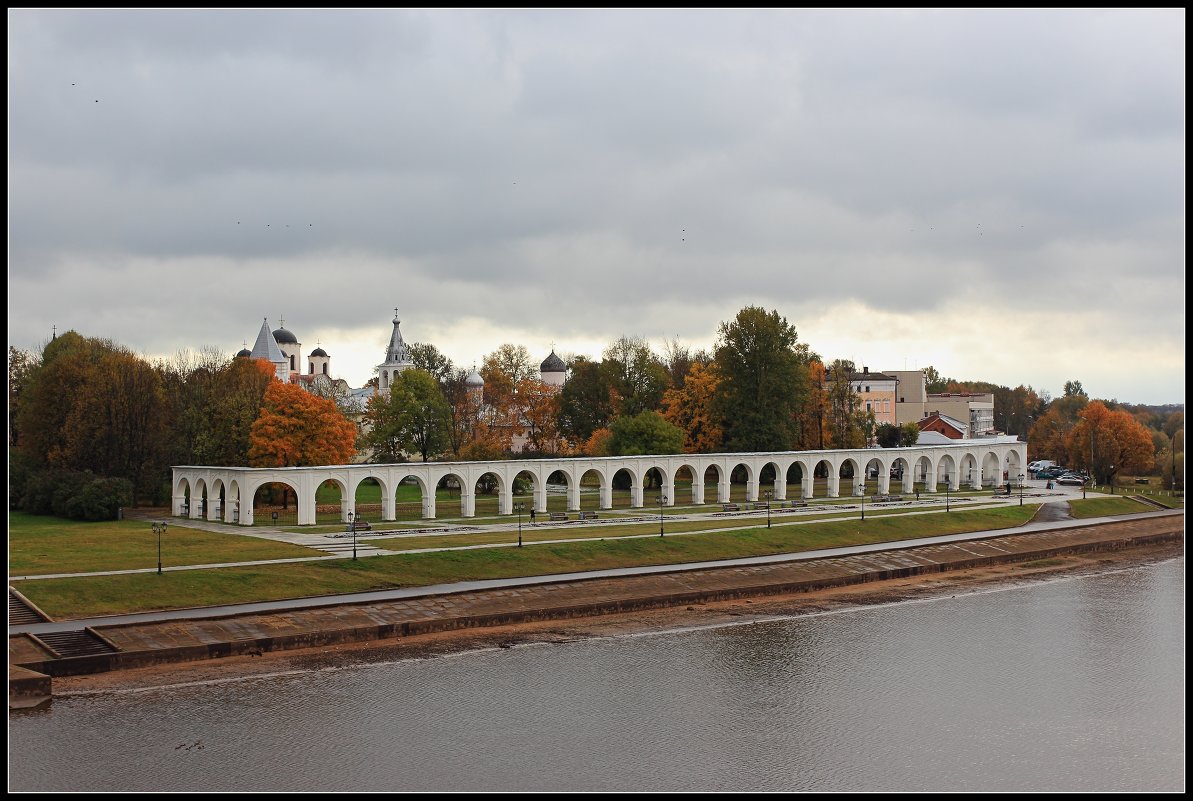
<point>105,648</point>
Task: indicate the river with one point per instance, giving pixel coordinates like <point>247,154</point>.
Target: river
<point>1075,683</point>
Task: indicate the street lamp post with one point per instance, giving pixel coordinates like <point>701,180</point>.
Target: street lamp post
<point>1111,479</point>
<point>159,529</point>
<point>946,492</point>
<point>352,525</point>
<point>662,500</point>
<point>518,508</point>
<point>1021,477</point>
<point>769,493</point>
<point>862,487</point>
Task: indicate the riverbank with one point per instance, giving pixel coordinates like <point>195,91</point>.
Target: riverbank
<point>1001,565</point>
<point>700,615</point>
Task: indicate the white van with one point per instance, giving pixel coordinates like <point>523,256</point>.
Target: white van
<point>1040,464</point>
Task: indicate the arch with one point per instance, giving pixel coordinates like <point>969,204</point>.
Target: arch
<point>488,488</point>
<point>969,472</point>
<point>747,476</point>
<point>232,502</point>
<point>413,499</point>
<point>772,478</point>
<point>992,469</point>
<point>851,476</point>
<point>273,496</point>
<point>626,486</point>
<point>528,488</point>
<point>181,497</point>
<point>603,488</point>
<point>948,471</point>
<point>558,486</point>
<point>685,476</point>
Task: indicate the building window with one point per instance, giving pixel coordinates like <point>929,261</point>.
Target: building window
<point>867,389</point>
<point>867,406</point>
<point>886,406</point>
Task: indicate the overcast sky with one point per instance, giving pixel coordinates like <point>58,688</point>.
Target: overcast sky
<point>999,194</point>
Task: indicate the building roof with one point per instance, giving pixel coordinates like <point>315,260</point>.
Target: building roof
<point>934,438</point>
<point>553,364</point>
<point>319,352</point>
<point>474,380</point>
<point>243,352</point>
<point>871,377</point>
<point>285,337</point>
<point>396,352</point>
<point>266,347</point>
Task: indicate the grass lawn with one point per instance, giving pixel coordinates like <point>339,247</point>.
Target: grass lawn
<point>38,545</point>
<point>99,595</point>
<point>1104,507</point>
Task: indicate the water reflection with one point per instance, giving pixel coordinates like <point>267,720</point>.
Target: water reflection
<point>1073,684</point>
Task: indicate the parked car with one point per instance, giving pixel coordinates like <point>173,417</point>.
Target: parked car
<point>1051,472</point>
<point>1071,480</point>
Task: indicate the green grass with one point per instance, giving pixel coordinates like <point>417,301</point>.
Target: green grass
<point>38,545</point>
<point>100,595</point>
<point>1104,507</point>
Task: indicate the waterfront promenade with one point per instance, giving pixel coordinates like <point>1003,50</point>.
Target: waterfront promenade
<point>192,635</point>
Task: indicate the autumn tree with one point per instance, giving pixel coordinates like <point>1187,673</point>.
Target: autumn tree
<point>538,412</point>
<point>763,381</point>
<point>1109,442</point>
<point>20,366</point>
<point>813,415</point>
<point>634,375</point>
<point>689,407</point>
<point>298,429</point>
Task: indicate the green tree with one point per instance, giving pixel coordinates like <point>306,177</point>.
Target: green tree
<point>635,376</point>
<point>584,402</point>
<point>426,356</point>
<point>763,381</point>
<point>909,435</point>
<point>414,418</point>
<point>647,432</point>
<point>846,420</point>
<point>887,435</point>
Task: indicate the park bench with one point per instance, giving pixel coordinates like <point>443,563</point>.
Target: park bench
<point>361,525</point>
<point>588,515</point>
<point>730,507</point>
<point>795,504</point>
<point>559,516</point>
<point>887,498</point>
<point>1143,481</point>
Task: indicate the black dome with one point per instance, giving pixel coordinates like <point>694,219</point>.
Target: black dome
<point>244,352</point>
<point>319,352</point>
<point>553,364</point>
<point>284,337</point>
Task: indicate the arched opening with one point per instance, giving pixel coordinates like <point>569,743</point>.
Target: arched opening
<point>794,479</point>
<point>275,504</point>
<point>449,501</point>
<point>557,491</point>
<point>623,483</point>
<point>408,499</point>
<point>712,483</point>
<point>367,502</point>
<point>591,482</point>
<point>684,480</point>
<point>486,492</point>
<point>524,489</point>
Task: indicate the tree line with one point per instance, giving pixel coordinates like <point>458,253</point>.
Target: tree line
<point>88,410</point>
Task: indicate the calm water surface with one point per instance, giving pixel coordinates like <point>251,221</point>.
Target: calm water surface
<point>1071,684</point>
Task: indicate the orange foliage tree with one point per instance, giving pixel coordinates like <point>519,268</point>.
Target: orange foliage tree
<point>298,429</point>
<point>1109,442</point>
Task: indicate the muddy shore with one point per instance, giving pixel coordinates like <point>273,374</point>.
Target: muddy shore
<point>560,631</point>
